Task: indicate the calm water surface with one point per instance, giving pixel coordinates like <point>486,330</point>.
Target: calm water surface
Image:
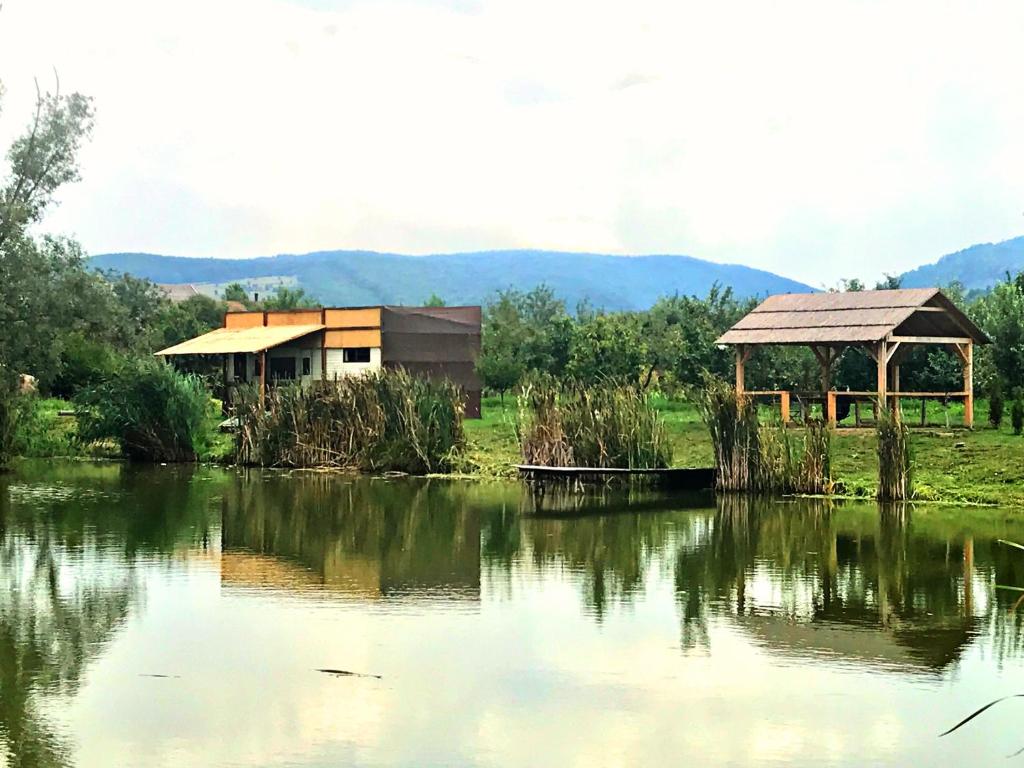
<point>178,617</point>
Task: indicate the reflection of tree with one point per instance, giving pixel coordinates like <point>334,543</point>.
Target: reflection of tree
<point>67,581</point>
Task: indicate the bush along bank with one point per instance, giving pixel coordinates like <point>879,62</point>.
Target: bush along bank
<point>153,412</point>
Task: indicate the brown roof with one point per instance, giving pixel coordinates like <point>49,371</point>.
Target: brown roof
<point>853,317</point>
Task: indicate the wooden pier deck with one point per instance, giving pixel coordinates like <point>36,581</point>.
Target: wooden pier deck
<point>676,478</point>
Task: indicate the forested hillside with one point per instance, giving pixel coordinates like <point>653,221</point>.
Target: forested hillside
<point>364,277</point>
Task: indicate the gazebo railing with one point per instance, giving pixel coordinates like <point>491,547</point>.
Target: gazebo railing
<point>830,401</point>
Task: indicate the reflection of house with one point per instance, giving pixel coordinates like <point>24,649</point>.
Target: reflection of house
<point>356,577</point>
<point>321,344</point>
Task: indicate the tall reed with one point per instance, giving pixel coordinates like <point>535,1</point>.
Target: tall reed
<point>763,458</point>
<point>895,458</point>
<point>735,434</point>
<point>610,424</point>
<point>384,421</point>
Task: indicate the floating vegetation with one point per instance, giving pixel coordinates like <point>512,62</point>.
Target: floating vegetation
<point>388,420</point>
<point>604,425</point>
<point>895,458</point>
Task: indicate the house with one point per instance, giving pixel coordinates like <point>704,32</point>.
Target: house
<point>307,345</point>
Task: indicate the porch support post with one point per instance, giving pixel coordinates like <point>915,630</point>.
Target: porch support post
<point>263,376</point>
<point>784,406</point>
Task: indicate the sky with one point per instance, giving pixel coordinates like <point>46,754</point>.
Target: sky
<point>819,140</point>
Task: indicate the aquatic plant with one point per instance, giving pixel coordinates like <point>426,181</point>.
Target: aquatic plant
<point>895,458</point>
<point>607,424</point>
<point>151,410</point>
<point>735,434</point>
<point>762,458</point>
<point>387,420</point>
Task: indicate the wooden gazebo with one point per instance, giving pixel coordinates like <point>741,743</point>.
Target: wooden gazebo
<point>885,324</point>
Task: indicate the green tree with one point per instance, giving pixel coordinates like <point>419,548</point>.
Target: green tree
<point>236,292</point>
<point>502,361</point>
<point>607,346</point>
<point>1001,314</point>
<point>435,301</point>
<point>290,298</point>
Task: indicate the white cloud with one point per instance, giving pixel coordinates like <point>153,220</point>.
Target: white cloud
<point>817,140</point>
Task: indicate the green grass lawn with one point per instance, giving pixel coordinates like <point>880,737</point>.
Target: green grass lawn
<point>951,464</point>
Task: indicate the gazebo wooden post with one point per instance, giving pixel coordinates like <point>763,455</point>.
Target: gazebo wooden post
<point>894,382</point>
<point>882,358</point>
<point>826,356</point>
<point>965,351</point>
<point>742,355</point>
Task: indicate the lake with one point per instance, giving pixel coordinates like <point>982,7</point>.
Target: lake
<point>180,616</point>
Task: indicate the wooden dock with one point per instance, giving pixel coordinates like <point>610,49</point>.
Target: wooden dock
<point>675,478</point>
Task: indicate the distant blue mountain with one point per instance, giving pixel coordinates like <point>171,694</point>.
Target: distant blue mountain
<point>978,267</point>
<point>365,277</point>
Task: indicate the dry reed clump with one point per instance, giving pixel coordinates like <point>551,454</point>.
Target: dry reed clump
<point>895,458</point>
<point>762,458</point>
<point>606,425</point>
<point>382,421</point>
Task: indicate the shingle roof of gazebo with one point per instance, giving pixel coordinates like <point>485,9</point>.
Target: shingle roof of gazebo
<point>853,317</point>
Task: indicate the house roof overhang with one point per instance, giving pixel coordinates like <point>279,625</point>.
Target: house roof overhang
<point>223,341</point>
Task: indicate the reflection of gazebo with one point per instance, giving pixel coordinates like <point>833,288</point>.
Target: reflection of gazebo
<point>885,324</point>
<point>921,644</point>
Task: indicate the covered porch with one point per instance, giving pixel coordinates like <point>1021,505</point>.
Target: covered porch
<point>885,325</point>
<point>260,355</point>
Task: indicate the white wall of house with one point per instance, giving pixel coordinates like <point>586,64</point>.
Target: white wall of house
<point>337,367</point>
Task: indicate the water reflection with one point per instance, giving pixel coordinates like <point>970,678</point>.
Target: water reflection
<point>68,549</point>
<point>486,609</point>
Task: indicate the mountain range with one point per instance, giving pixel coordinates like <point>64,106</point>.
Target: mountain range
<point>355,278</point>
<point>977,268</point>
<point>611,282</point>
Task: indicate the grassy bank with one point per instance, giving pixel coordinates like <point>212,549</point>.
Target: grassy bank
<point>983,466</point>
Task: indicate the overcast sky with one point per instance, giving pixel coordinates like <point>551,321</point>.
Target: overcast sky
<point>815,139</point>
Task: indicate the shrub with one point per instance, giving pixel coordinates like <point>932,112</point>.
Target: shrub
<point>42,432</point>
<point>608,424</point>
<point>895,458</point>
<point>84,363</point>
<point>153,412</point>
<point>388,420</point>
<point>996,403</point>
<point>1017,416</point>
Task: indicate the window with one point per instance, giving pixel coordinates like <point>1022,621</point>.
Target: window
<point>356,354</point>
<point>307,366</point>
<point>282,368</point>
